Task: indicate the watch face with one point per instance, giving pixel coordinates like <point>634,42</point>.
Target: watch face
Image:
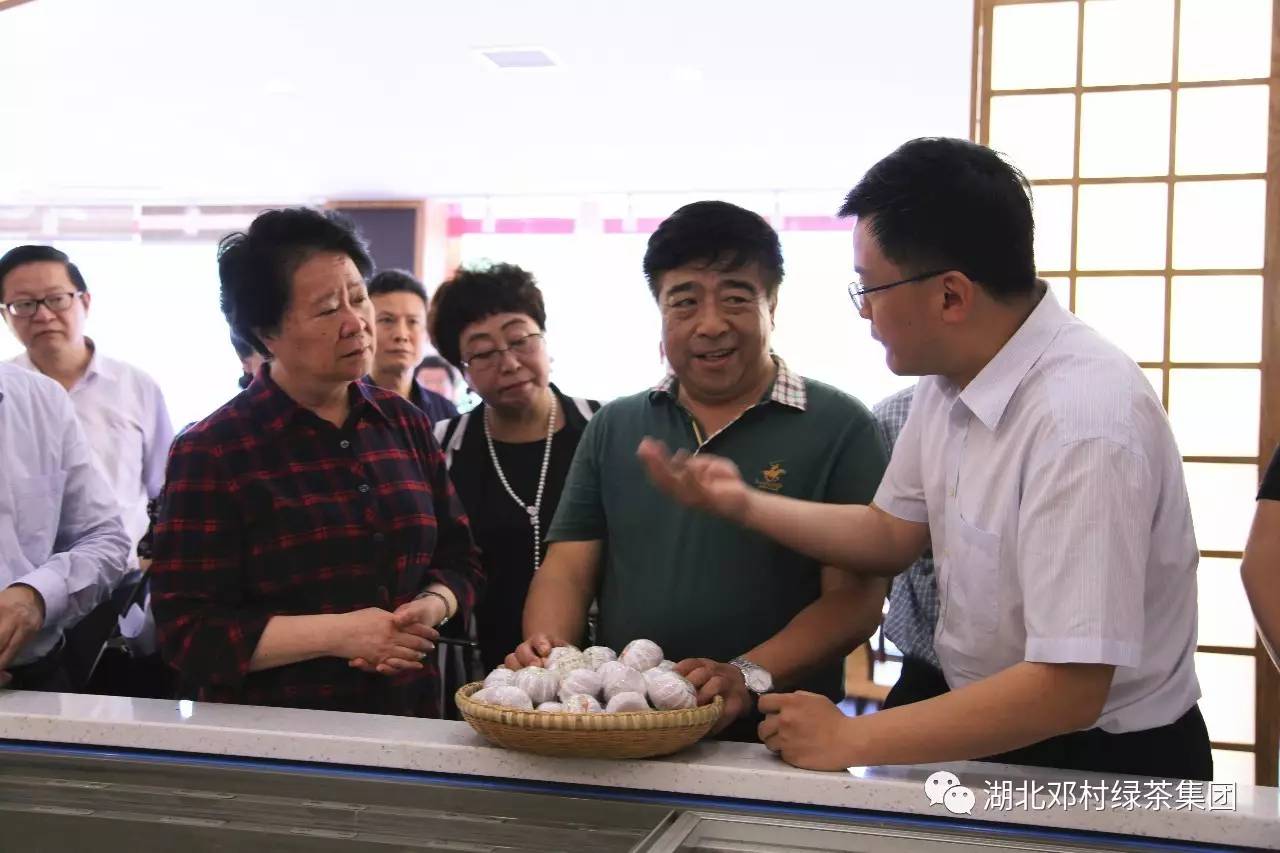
<point>758,680</point>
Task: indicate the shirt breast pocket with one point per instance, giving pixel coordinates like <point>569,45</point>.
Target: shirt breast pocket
<point>37,503</point>
<point>973,583</point>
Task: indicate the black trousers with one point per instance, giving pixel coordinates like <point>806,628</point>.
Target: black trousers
<point>1179,750</point>
<point>47,674</point>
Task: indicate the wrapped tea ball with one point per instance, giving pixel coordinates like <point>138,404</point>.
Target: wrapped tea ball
<point>500,676</point>
<point>666,665</point>
<point>610,669</point>
<point>627,701</point>
<point>551,706</point>
<point>598,655</point>
<point>670,691</point>
<point>581,703</point>
<point>579,681</point>
<point>505,695</point>
<point>622,680</point>
<point>568,662</point>
<point>641,655</point>
<point>541,684</point>
<point>559,652</point>
<point>650,674</point>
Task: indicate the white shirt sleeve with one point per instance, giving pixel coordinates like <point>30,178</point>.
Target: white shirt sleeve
<point>155,446</point>
<point>91,548</point>
<point>901,492</point>
<point>1084,533</point>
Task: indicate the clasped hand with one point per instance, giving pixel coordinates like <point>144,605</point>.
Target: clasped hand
<point>377,641</point>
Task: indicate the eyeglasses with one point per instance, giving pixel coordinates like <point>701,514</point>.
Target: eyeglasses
<point>57,303</point>
<point>491,358</point>
<point>858,293</point>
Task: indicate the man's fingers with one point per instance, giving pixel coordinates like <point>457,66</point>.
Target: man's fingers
<point>772,703</point>
<point>8,627</point>
<point>699,676</point>
<point>11,647</point>
<point>688,665</point>
<point>526,656</point>
<point>512,662</point>
<point>659,464</point>
<point>715,686</point>
<point>541,646</point>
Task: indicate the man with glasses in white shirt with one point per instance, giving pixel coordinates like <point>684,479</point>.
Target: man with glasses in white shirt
<point>46,303</point>
<point>62,547</point>
<point>1038,462</point>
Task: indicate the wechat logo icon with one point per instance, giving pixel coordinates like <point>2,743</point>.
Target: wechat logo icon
<point>944,789</point>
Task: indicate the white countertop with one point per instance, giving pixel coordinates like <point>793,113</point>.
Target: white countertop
<point>744,771</point>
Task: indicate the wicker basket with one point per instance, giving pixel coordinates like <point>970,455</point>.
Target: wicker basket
<point>632,734</point>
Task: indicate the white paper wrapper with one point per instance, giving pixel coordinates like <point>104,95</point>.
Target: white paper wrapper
<point>568,662</point>
<point>504,695</point>
<point>641,655</point>
<point>669,691</point>
<point>610,669</point>
<point>666,665</point>
<point>627,701</point>
<point>542,685</point>
<point>580,681</point>
<point>559,652</point>
<point>551,706</point>
<point>623,680</point>
<point>598,655</point>
<point>499,677</point>
<point>581,703</point>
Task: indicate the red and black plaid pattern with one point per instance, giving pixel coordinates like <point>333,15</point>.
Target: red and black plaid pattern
<point>269,510</point>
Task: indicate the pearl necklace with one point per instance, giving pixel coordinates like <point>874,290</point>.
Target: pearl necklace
<point>535,508</point>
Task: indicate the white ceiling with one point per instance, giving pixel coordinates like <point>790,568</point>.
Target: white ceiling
<point>276,100</point>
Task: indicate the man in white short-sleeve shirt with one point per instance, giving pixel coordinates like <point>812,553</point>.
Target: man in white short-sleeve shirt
<point>1038,462</point>
<point>120,407</point>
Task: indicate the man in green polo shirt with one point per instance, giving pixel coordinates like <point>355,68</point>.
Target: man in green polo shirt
<point>731,606</point>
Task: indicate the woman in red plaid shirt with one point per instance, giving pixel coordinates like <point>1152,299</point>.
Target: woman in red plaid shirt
<point>309,540</point>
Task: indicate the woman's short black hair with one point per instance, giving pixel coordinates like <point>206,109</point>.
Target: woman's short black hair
<point>474,293</point>
<point>243,348</point>
<point>23,255</point>
<point>256,267</point>
<point>717,234</point>
<point>938,203</point>
<point>397,281</point>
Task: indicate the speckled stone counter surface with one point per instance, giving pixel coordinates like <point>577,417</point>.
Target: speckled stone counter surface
<point>742,771</point>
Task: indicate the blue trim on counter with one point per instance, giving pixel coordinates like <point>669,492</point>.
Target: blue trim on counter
<point>687,801</point>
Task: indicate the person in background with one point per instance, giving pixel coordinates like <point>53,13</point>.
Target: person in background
<point>1260,568</point>
<point>513,451</point>
<point>913,598</point>
<point>250,360</point>
<point>400,323</point>
<point>737,612</point>
<point>120,407</point>
<point>1041,467</point>
<point>436,374</point>
<point>62,546</point>
<point>309,540</point>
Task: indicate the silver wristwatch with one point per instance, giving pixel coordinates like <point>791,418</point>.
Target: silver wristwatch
<point>757,677</point>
